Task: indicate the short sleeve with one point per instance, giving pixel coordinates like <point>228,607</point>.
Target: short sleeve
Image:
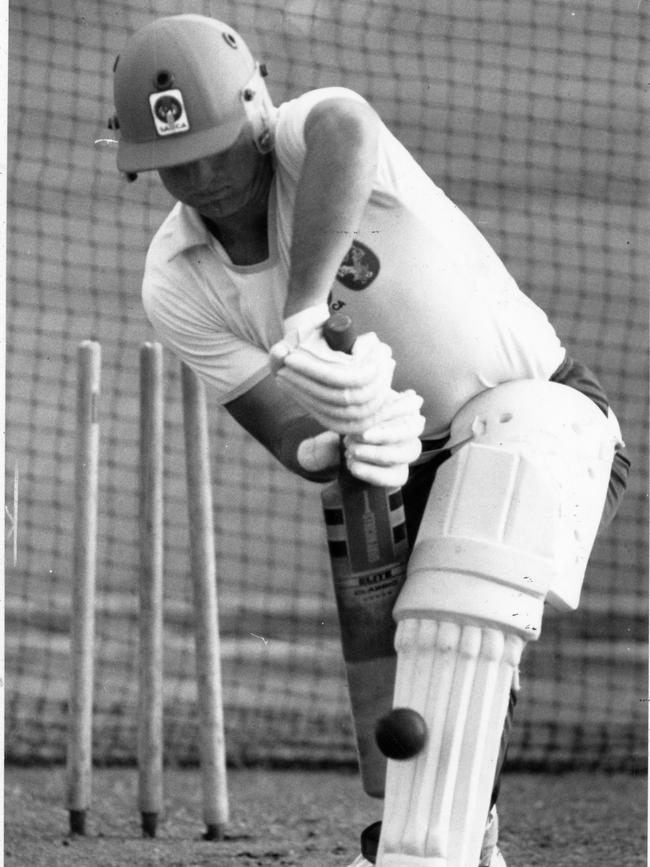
<point>292,116</point>
<point>190,324</point>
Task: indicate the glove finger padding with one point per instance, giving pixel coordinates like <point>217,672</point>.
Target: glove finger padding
<point>317,364</point>
<point>343,392</point>
<point>382,454</point>
<point>399,420</point>
<point>342,420</point>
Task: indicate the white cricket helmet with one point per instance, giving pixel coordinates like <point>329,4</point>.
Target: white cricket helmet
<point>184,88</point>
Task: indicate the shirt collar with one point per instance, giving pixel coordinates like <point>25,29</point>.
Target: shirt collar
<point>187,229</point>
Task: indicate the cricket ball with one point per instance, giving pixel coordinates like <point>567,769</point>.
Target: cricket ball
<point>401,734</point>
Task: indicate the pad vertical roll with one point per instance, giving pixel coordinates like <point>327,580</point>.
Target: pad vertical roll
<point>458,678</point>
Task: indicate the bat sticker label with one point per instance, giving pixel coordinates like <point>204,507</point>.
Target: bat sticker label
<point>359,267</point>
<point>168,112</point>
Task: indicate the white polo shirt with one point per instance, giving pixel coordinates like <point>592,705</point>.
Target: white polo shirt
<point>418,273</point>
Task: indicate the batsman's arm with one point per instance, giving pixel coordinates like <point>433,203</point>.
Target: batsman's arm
<point>334,187</point>
<point>269,415</point>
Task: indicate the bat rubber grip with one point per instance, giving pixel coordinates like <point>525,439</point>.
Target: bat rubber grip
<point>339,333</point>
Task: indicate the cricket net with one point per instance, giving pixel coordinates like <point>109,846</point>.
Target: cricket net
<point>529,115</point>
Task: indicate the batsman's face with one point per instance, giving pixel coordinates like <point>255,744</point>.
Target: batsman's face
<point>222,184</point>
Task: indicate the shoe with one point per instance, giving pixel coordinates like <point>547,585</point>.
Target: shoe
<point>360,861</point>
<point>497,860</point>
<point>369,846</point>
<point>490,854</point>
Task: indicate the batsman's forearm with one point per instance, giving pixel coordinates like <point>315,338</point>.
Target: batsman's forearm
<point>334,188</point>
<point>280,425</point>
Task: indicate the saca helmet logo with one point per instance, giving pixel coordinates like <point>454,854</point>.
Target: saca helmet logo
<point>168,110</point>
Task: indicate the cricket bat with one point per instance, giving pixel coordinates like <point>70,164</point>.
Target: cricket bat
<point>369,551</point>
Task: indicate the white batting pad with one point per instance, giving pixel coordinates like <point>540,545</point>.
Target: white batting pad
<point>564,439</point>
<point>458,678</point>
<point>510,522</point>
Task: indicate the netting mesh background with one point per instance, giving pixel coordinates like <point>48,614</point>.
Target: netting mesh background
<point>529,115</point>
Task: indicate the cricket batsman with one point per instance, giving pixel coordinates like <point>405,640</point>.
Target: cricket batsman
<point>457,387</point>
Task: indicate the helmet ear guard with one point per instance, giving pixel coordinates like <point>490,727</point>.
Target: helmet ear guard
<point>258,108</point>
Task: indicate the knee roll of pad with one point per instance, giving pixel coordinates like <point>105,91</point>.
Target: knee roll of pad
<point>514,512</point>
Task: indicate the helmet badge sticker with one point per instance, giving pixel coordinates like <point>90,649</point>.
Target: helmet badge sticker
<point>359,267</point>
<point>168,112</point>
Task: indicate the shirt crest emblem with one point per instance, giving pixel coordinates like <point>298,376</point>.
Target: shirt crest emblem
<point>359,267</point>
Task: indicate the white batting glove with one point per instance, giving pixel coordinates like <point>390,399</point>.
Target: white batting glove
<point>301,326</point>
<point>295,329</point>
<point>321,452</point>
<point>344,392</point>
<point>381,454</point>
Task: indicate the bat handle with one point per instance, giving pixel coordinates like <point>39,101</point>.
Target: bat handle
<point>339,333</point>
